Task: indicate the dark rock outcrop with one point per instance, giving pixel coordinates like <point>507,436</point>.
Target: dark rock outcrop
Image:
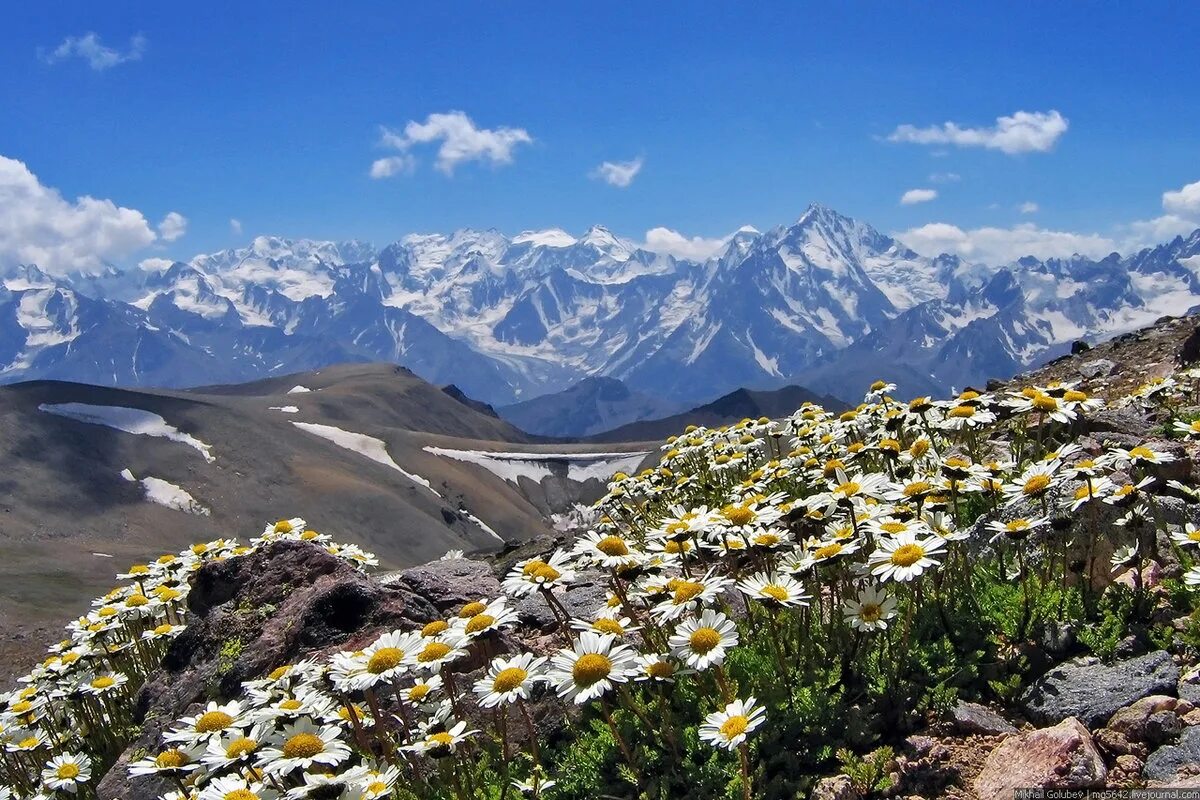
<point>1092,691</point>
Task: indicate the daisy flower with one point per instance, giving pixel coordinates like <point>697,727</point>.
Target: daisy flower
<point>236,787</point>
<point>608,550</point>
<point>476,619</point>
<point>234,747</point>
<point>67,771</point>
<point>782,590</point>
<point>449,646</point>
<point>210,722</point>
<point>1124,555</point>
<point>689,594</point>
<point>729,727</point>
<point>871,610</point>
<point>106,683</point>
<point>904,557</point>
<point>1032,484</point>
<point>1187,536</point>
<point>441,743</point>
<point>1190,430</point>
<point>303,744</point>
<point>1192,576</point>
<point>659,669</point>
<point>591,668</point>
<point>508,679</point>
<point>375,784</point>
<point>534,573</point>
<point>1121,458</point>
<point>1015,529</point>
<point>173,761</point>
<point>701,643</point>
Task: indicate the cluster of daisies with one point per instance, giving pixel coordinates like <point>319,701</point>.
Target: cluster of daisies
<point>814,534</point>
<point>71,716</point>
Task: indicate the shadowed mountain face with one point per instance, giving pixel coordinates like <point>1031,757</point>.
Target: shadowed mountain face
<point>827,302</point>
<point>98,478</point>
<point>591,406</point>
<point>726,410</point>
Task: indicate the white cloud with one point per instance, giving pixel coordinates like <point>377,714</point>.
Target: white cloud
<point>235,226</point>
<point>173,226</point>
<point>618,173</point>
<point>914,196</point>
<point>1028,207</point>
<point>1023,132</point>
<point>98,56</point>
<point>155,264</point>
<point>38,226</point>
<point>460,141</point>
<point>392,165</point>
<point>945,177</point>
<point>991,245</point>
<point>695,248</point>
<point>1183,202</point>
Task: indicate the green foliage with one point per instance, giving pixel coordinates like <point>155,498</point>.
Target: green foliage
<point>1115,611</point>
<point>227,656</point>
<point>867,773</point>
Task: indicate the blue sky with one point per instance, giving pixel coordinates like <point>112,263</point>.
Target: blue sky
<point>273,115</point>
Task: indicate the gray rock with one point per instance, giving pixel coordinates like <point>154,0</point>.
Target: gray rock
<point>838,787</point>
<point>1165,762</point>
<point>1189,686</point>
<point>973,718</point>
<point>581,600</point>
<point>1093,691</point>
<point>450,584</point>
<point>1097,368</point>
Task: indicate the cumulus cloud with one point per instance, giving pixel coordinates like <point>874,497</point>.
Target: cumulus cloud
<point>460,140</point>
<point>1183,202</point>
<point>914,196</point>
<point>618,173</point>
<point>39,226</point>
<point>392,165</point>
<point>1022,132</point>
<point>695,248</point>
<point>173,226</point>
<point>155,264</point>
<point>97,55</point>
<point>1028,207</point>
<point>991,245</point>
<point>235,226</point>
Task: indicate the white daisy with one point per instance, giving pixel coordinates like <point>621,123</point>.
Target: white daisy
<point>66,772</point>
<point>871,610</point>
<point>591,668</point>
<point>904,557</point>
<point>303,744</point>
<point>508,679</point>
<point>729,727</point>
<point>701,643</point>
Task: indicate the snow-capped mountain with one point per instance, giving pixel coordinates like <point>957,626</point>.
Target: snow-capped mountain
<point>827,301</point>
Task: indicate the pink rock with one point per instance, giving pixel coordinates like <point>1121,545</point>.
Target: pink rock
<point>1061,757</point>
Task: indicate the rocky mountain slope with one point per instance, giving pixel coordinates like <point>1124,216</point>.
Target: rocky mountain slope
<point>589,407</point>
<point>95,476</point>
<point>827,302</point>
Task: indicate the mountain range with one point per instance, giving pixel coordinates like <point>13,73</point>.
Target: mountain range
<point>827,301</point>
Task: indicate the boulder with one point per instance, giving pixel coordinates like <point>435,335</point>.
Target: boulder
<point>449,584</point>
<point>1079,346</point>
<point>1092,691</point>
<point>1189,351</point>
<point>1097,368</point>
<point>246,616</point>
<point>838,787</point>
<point>972,718</point>
<point>1151,719</point>
<point>1061,757</point>
<point>1189,686</point>
<point>1164,764</point>
<point>581,600</point>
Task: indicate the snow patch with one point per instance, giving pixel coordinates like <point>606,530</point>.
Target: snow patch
<point>368,446</point>
<point>298,390</point>
<point>167,494</point>
<point>284,409</point>
<point>536,466</point>
<point>128,420</point>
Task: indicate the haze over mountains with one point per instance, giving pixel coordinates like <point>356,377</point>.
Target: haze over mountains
<point>827,302</point>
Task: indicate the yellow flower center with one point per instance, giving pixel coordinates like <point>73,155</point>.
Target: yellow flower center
<point>213,721</point>
<point>136,600</point>
<point>1142,452</point>
<point>907,554</point>
<point>471,609</point>
<point>547,573</point>
<point>383,659</point>
<point>918,488</point>
<point>677,547</point>
<point>240,747</point>
<point>303,745</point>
<point>961,412</point>
<point>847,489</point>
<point>29,743</point>
<point>508,679</point>
<point>705,639</point>
<point>480,622</point>
<point>291,704</point>
<point>103,682</point>
<point>434,628</point>
<point>67,772</point>
<point>1036,485</point>
<point>660,669</point>
<point>1017,525</point>
<point>283,526</point>
<point>828,551</point>
<point>608,625</point>
<point>1074,396</point>
<point>919,448</point>
<point>870,612</point>
<point>893,527</point>
<point>279,672</point>
<point>739,515</point>
<point>309,535</point>
<point>590,668</point>
<point>433,651</point>
<point>418,692</point>
<point>22,707</point>
<point>442,739</point>
<point>734,727</point>
<point>766,540</point>
<point>164,629</point>
<point>686,591</point>
<point>240,794</point>
<point>1044,402</point>
<point>172,759</point>
<point>613,546</point>
<point>776,592</point>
